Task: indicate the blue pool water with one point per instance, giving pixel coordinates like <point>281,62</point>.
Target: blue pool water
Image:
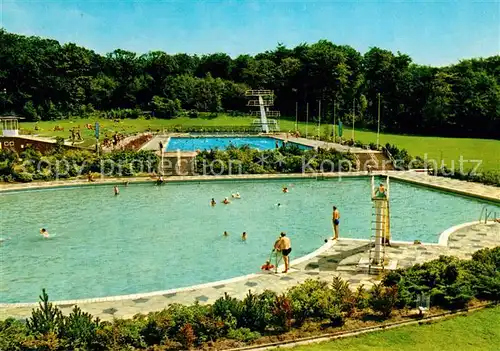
<point>153,238</point>
<point>207,143</point>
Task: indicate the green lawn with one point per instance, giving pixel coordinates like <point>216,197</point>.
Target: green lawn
<point>479,331</point>
<point>436,148</point>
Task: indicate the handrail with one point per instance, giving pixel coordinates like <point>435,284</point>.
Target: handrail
<point>481,214</point>
<point>486,214</point>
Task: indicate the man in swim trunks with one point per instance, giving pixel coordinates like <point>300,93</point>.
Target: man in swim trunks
<point>117,191</point>
<point>336,221</point>
<point>44,232</point>
<point>284,245</point>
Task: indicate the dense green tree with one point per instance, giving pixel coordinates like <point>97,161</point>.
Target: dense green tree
<point>45,80</point>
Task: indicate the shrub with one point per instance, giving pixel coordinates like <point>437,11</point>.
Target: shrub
<point>156,328</point>
<point>309,300</point>
<point>186,336</point>
<point>486,177</point>
<point>80,329</point>
<point>361,298</point>
<point>383,299</point>
<point>46,342</point>
<point>286,159</point>
<point>13,334</point>
<point>193,114</point>
<point>256,311</point>
<point>120,334</point>
<point>47,318</point>
<point>449,282</point>
<point>282,312</point>
<point>23,177</point>
<point>335,315</point>
<point>342,296</point>
<point>243,334</point>
<point>228,309</point>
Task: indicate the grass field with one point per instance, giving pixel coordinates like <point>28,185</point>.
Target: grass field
<point>445,150</point>
<point>479,331</point>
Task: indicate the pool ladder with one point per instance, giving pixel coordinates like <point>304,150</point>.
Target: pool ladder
<point>487,214</point>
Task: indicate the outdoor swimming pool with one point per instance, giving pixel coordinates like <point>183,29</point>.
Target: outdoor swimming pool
<point>153,238</point>
<point>207,143</point>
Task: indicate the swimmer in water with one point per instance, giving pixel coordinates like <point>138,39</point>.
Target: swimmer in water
<point>225,233</point>
<point>44,233</point>
<point>244,236</point>
<point>213,203</point>
<point>285,189</point>
<point>226,201</point>
<point>117,191</point>
<point>278,204</point>
<point>236,196</point>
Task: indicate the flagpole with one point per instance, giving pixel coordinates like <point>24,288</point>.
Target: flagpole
<point>353,114</point>
<point>319,120</point>
<point>378,123</point>
<point>334,102</point>
<point>296,115</point>
<point>307,117</point>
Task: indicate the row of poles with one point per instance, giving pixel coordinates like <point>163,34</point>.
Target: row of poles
<point>334,118</point>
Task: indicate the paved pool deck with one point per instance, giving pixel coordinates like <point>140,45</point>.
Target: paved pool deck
<point>335,258</point>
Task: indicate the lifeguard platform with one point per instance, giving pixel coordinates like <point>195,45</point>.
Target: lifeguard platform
<point>381,230</point>
<point>265,99</point>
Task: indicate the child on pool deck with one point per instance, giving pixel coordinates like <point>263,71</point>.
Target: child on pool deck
<point>267,266</point>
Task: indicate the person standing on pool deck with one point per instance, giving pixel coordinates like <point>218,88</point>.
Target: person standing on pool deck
<point>336,221</point>
<point>161,146</point>
<point>284,245</point>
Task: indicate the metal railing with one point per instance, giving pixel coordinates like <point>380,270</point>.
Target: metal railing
<point>484,211</point>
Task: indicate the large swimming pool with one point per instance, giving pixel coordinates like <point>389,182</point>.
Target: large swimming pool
<point>153,238</point>
<point>221,143</point>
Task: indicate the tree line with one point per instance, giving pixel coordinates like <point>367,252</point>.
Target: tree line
<point>43,80</point>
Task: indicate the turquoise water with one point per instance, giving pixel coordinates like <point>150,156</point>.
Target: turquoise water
<point>153,238</point>
<point>207,143</point>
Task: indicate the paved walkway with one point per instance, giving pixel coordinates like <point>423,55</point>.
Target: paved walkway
<point>458,186</point>
<point>322,144</point>
<point>154,144</point>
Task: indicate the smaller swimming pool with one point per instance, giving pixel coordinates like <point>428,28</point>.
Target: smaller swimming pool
<point>221,143</point>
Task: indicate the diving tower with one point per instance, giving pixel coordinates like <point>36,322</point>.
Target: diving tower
<point>265,99</point>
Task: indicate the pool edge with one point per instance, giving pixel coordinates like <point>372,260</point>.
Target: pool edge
<point>297,261</point>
